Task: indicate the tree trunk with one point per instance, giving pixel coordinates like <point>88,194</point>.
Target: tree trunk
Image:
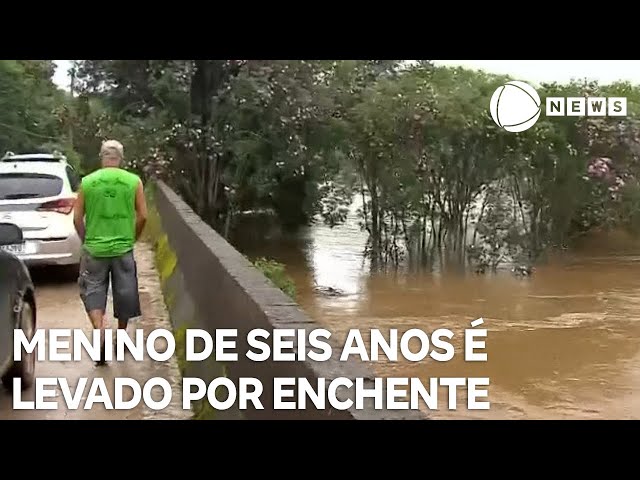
<point>375,226</point>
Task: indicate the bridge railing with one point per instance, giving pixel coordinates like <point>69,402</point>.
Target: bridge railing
<point>229,292</point>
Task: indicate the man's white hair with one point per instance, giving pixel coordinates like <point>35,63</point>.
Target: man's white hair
<point>112,146</point>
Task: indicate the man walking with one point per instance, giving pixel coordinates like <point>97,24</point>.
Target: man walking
<point>110,214</point>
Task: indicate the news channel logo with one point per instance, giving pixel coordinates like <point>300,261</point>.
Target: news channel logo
<point>516,106</point>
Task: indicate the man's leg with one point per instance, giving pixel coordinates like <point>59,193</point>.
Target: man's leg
<point>124,285</point>
<point>94,286</point>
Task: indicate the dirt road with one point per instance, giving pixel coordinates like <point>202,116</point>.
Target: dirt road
<point>59,307</point>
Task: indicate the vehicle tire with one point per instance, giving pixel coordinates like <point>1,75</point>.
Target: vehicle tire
<point>24,369</point>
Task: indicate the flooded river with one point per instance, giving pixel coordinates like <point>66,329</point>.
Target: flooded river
<point>562,344</point>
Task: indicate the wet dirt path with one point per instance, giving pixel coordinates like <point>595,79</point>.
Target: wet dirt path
<point>59,307</point>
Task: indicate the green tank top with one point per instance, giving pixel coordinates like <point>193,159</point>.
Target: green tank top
<point>110,214</point>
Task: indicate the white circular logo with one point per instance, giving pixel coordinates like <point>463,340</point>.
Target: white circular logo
<point>515,106</point>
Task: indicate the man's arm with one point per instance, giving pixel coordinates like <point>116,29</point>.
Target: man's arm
<point>141,210</point>
<point>78,215</point>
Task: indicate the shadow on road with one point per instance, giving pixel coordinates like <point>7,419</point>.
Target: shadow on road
<point>53,275</point>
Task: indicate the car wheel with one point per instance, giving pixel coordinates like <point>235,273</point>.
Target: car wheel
<point>26,368</point>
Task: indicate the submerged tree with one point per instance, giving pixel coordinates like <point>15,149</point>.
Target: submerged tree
<point>438,179</point>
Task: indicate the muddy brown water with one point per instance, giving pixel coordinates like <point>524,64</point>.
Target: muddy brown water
<point>562,344</point>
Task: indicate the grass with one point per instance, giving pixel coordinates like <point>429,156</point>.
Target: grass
<point>276,272</point>
<point>153,228</point>
<point>165,258</point>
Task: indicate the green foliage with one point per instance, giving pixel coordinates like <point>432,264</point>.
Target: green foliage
<point>629,209</point>
<point>180,335</point>
<point>276,272</point>
<point>165,258</point>
<point>300,139</point>
<point>153,228</point>
<point>29,101</point>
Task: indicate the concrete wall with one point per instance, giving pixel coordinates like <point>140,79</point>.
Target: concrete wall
<point>226,291</point>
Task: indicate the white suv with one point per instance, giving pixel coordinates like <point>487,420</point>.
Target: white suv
<point>37,193</point>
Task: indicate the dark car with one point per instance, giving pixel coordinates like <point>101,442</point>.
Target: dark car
<point>17,308</point>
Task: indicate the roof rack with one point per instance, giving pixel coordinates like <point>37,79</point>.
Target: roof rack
<point>56,156</point>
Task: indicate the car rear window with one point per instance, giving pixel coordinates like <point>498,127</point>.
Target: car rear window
<point>29,185</point>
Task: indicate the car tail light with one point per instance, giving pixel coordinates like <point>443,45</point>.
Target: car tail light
<point>63,205</point>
